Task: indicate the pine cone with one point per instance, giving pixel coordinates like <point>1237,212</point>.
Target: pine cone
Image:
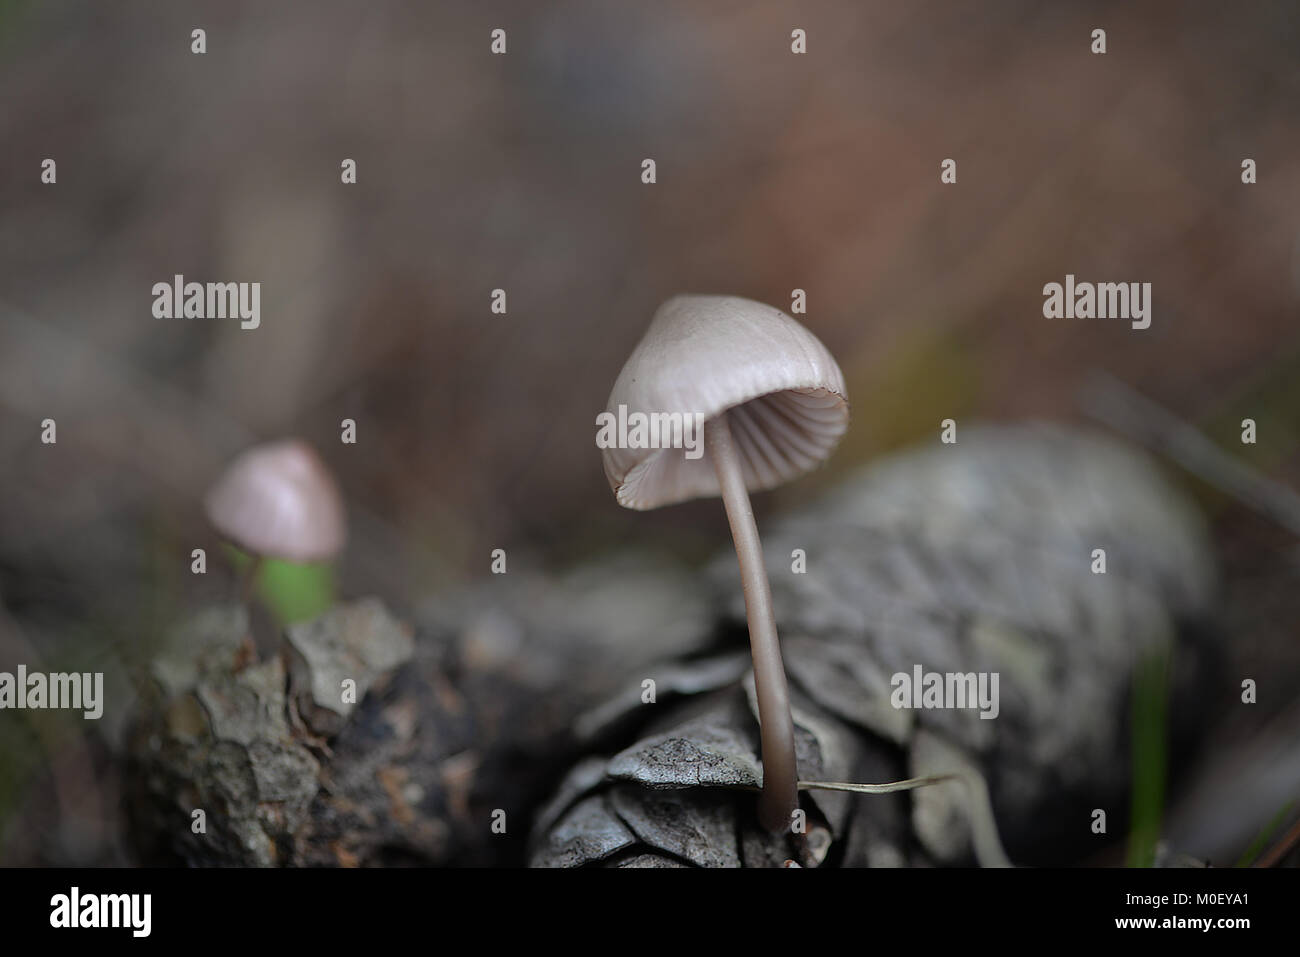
<point>976,557</point>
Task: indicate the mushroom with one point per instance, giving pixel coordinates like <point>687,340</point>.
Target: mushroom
<point>773,404</point>
<point>278,500</point>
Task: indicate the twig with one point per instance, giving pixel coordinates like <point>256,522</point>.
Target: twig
<point>1120,406</point>
<point>984,829</point>
<point>1282,848</point>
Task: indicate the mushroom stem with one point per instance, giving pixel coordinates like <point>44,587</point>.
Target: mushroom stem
<point>248,580</point>
<point>780,794</point>
<point>248,598</point>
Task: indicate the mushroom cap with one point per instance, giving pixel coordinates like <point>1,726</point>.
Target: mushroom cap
<point>278,500</point>
<point>713,354</point>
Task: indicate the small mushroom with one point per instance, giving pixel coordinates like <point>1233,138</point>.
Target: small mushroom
<point>773,404</point>
<point>278,500</point>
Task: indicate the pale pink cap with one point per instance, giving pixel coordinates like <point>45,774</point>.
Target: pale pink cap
<point>278,500</point>
<point>782,390</point>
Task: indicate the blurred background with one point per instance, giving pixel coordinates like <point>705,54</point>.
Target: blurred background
<point>522,172</point>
